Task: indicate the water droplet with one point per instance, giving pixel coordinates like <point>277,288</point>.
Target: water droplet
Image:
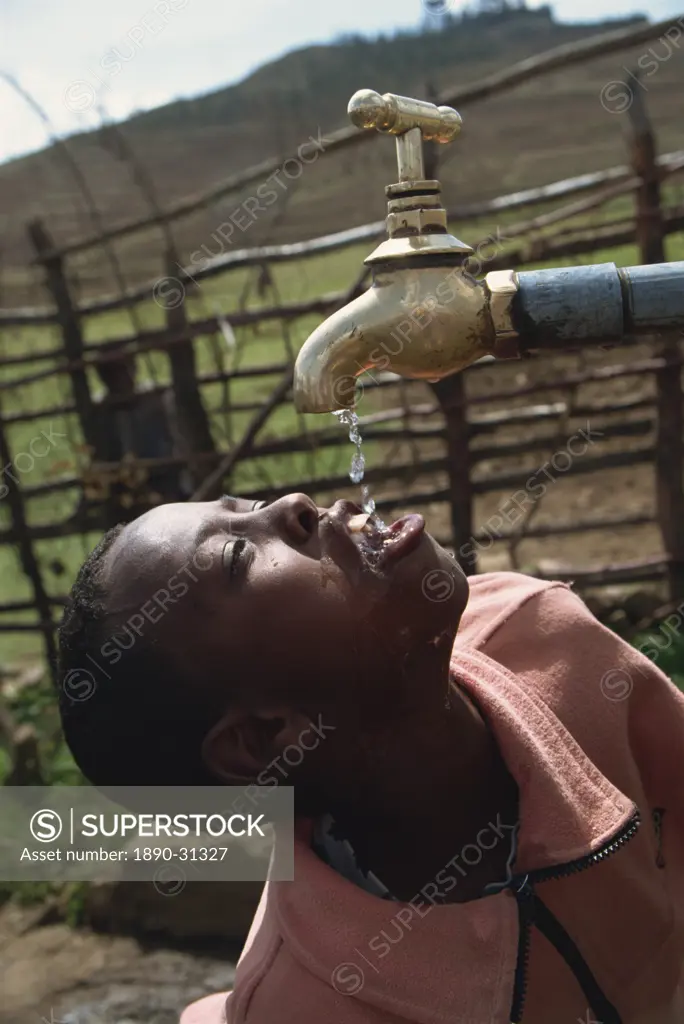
<point>358,468</point>
<point>368,503</point>
<point>349,419</point>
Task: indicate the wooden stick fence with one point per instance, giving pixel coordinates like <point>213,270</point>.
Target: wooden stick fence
<point>162,339</point>
<point>637,369</point>
<point>623,183</point>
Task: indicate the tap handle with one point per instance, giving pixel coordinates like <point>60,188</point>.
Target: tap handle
<point>396,115</point>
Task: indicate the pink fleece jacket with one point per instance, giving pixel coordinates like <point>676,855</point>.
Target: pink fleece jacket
<point>591,930</point>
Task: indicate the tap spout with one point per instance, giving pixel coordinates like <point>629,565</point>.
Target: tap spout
<point>423,322</point>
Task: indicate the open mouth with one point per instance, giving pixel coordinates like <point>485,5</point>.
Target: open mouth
<point>382,546</point>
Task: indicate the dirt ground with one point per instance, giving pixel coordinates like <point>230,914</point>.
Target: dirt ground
<point>52,974</point>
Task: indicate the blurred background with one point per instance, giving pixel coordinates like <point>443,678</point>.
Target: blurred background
<point>182,200</point>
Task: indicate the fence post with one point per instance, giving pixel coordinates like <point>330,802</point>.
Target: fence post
<point>669,448</point>
<point>9,489</point>
<point>193,421</point>
<point>450,394</point>
<point>72,337</point>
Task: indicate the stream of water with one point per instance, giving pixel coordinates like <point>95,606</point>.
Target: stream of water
<point>349,418</point>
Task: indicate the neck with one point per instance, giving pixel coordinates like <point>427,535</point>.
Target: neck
<point>421,790</point>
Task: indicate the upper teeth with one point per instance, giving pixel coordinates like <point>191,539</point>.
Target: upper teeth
<point>360,523</point>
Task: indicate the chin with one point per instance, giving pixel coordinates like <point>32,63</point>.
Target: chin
<point>437,585</point>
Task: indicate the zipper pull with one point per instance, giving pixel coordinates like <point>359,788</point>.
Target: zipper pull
<point>524,890</point>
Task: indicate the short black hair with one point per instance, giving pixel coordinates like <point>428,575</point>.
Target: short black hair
<point>138,722</point>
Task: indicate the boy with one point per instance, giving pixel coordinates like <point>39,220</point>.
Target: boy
<point>491,824</point>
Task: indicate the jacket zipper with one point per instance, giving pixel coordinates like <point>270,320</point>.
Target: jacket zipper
<point>532,911</point>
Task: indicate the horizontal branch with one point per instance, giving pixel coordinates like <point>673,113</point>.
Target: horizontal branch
<point>335,439</point>
<point>591,524</point>
<point>479,425</point>
<point>644,570</point>
<point>669,163</point>
<point>332,439</point>
<point>408,473</point>
<point>581,206</point>
<point>28,316</point>
<point>583,242</point>
<point>161,339</point>
<point>569,381</point>
<point>164,338</point>
<point>272,369</point>
<point>175,338</point>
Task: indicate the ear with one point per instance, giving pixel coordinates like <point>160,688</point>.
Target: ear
<point>243,743</point>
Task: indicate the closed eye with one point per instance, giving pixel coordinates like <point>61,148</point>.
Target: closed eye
<point>232,555</point>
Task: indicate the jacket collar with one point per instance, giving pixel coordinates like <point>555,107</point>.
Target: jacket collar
<point>568,808</point>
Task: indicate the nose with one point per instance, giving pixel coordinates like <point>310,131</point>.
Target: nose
<point>297,514</point>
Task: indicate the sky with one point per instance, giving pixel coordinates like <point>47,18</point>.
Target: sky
<point>74,57</point>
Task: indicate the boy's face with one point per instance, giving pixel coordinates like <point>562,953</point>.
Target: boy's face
<point>281,596</point>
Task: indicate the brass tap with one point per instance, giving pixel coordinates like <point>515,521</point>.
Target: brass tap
<point>416,219</point>
<point>426,317</point>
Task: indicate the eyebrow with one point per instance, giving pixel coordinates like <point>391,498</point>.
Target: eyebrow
<point>209,528</point>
